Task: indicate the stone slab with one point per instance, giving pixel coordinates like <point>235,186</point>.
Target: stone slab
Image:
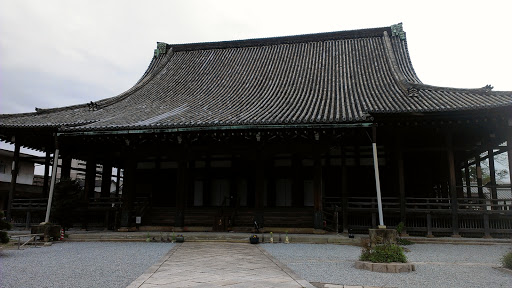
<point>215,264</point>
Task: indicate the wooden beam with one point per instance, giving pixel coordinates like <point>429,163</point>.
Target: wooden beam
<point>453,186</point>
<point>129,182</point>
<point>118,184</point>
<point>90,178</point>
<point>401,182</point>
<point>344,190</point>
<point>46,179</point>
<point>106,179</point>
<point>181,191</point>
<point>14,176</point>
<point>492,174</point>
<point>317,183</point>
<point>500,151</point>
<point>65,170</point>
<point>377,178</point>
<point>468,181</point>
<point>479,177</point>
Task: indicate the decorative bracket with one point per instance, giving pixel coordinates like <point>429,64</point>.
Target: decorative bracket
<point>488,88</point>
<point>398,30</point>
<point>413,92</point>
<point>161,48</point>
<point>93,106</point>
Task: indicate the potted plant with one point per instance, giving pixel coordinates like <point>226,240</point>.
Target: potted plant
<point>254,239</point>
<point>180,238</point>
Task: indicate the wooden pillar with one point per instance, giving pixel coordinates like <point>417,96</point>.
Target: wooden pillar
<point>207,182</point>
<point>344,190</point>
<point>317,191</point>
<point>46,179</point>
<point>106,179</point>
<point>181,191</point>
<point>468,180</point>
<point>259,184</point>
<point>65,170</point>
<point>259,191</point>
<point>401,186</point>
<point>459,183</point>
<point>118,181</point>
<point>128,195</point>
<point>14,176</point>
<point>453,188</point>
<point>492,174</point>
<point>479,177</point>
<point>297,182</point>
<point>90,178</point>
<point>271,183</point>
<point>487,228</point>
<point>377,178</point>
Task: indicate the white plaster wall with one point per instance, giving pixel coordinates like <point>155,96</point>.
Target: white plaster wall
<point>25,175</point>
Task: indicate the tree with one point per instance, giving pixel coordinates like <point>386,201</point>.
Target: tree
<point>67,202</point>
<point>500,160</point>
<point>4,225</point>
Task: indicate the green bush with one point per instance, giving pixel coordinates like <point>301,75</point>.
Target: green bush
<point>507,260</point>
<point>67,203</point>
<point>400,228</point>
<point>4,238</point>
<point>383,254</point>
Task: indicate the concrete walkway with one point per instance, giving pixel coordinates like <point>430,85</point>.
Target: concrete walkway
<point>207,264</point>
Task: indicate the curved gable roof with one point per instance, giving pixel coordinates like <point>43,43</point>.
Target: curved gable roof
<point>337,77</point>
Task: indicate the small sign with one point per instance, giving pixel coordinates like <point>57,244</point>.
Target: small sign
<point>138,220</point>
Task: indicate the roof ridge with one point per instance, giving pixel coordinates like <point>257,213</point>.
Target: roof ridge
<point>485,89</point>
<point>301,38</point>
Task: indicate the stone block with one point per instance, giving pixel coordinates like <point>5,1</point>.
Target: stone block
<point>49,231</point>
<point>380,267</point>
<point>368,266</point>
<point>392,267</point>
<point>359,265</point>
<point>382,236</point>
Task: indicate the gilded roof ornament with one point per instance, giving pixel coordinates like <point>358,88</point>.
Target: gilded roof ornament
<point>398,30</point>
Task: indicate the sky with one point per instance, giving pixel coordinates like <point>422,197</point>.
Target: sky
<point>57,53</point>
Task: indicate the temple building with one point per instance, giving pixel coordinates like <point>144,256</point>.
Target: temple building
<point>298,133</point>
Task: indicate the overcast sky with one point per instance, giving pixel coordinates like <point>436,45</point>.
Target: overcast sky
<point>58,53</point>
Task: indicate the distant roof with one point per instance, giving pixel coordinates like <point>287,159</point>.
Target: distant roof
<point>326,78</point>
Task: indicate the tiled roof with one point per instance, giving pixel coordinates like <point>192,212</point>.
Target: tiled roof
<point>328,78</point>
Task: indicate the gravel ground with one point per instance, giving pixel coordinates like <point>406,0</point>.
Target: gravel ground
<point>438,265</point>
<point>79,264</point>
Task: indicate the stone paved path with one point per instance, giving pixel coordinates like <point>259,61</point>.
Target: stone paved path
<point>214,264</point>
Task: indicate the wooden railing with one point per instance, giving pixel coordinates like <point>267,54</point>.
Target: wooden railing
<point>425,216</point>
<point>30,204</point>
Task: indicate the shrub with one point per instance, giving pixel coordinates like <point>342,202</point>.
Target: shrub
<point>507,260</point>
<point>67,203</point>
<point>4,238</point>
<point>400,228</point>
<point>383,254</point>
